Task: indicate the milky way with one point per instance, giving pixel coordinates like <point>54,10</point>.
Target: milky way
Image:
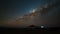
<point>38,12</point>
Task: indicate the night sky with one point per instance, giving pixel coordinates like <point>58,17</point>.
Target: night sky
<point>11,9</point>
<point>14,8</point>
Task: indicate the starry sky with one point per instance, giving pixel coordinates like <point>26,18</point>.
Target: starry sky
<point>14,8</point>
<point>10,9</point>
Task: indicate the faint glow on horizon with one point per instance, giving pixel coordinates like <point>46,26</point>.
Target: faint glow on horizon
<point>42,26</point>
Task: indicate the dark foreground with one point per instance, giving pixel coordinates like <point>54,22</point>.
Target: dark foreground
<point>30,30</point>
